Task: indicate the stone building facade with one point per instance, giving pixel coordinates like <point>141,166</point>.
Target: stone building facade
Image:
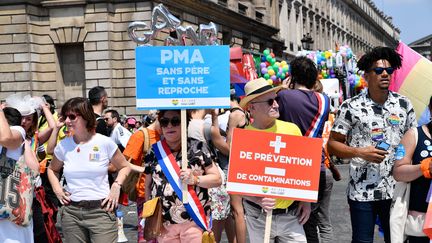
<point>358,23</point>
<point>423,46</point>
<point>65,47</point>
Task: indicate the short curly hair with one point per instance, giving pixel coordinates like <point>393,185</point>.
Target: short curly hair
<point>303,71</point>
<point>380,53</point>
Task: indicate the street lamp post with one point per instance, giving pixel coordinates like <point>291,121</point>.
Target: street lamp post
<point>307,42</point>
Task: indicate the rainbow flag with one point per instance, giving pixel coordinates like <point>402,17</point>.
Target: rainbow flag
<point>414,78</point>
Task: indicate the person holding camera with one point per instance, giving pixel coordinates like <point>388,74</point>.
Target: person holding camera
<point>367,130</point>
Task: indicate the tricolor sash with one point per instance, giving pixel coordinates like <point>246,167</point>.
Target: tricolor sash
<point>171,170</point>
<point>318,120</point>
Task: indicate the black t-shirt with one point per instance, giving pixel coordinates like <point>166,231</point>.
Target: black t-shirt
<point>101,126</point>
<point>420,186</point>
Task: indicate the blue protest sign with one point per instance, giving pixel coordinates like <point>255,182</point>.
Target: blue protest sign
<point>182,77</point>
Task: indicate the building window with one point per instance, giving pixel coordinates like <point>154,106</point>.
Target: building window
<point>71,60</point>
<point>246,42</point>
<point>71,67</point>
<point>226,38</point>
<point>223,2</point>
<point>242,9</point>
<point>262,47</point>
<point>291,46</point>
<point>259,16</point>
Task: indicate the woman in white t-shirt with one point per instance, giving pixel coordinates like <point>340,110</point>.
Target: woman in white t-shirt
<point>12,136</point>
<point>88,201</point>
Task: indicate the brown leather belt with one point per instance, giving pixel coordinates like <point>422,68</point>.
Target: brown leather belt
<point>87,204</point>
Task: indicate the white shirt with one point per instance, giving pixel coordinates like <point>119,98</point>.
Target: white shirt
<point>86,166</point>
<point>15,153</point>
<point>13,233</point>
<point>120,135</point>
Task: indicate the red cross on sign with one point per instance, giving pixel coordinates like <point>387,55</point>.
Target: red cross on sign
<point>274,165</point>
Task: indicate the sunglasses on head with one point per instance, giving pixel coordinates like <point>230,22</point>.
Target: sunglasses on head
<point>71,117</point>
<point>269,102</point>
<point>379,70</point>
<point>175,121</point>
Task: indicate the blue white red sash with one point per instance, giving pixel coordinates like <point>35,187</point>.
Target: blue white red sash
<point>171,170</point>
<point>318,121</point>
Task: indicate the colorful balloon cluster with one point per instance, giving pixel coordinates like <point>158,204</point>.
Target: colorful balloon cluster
<point>327,73</point>
<point>329,59</point>
<point>274,72</point>
<point>357,82</point>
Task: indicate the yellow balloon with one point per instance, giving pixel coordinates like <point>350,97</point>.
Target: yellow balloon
<point>271,72</point>
<point>270,82</point>
<point>283,63</point>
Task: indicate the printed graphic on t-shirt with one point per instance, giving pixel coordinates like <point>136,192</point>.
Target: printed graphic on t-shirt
<point>16,190</point>
<point>365,123</point>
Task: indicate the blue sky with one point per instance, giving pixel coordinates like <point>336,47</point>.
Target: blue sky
<point>412,17</point>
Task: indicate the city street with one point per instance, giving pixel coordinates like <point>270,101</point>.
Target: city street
<point>339,214</point>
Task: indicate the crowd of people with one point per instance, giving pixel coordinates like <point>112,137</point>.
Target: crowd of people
<point>76,162</point>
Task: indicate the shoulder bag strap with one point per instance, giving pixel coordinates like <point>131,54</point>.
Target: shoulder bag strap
<point>146,146</point>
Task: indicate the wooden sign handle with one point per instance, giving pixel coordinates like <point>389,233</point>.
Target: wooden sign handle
<point>268,226</point>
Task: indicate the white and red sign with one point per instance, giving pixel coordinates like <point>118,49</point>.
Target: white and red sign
<point>274,165</point>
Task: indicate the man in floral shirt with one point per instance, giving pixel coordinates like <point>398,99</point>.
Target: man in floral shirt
<point>373,118</point>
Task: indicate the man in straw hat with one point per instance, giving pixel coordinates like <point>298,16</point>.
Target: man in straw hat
<point>288,215</point>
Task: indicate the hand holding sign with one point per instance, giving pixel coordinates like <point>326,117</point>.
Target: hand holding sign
<point>187,176</point>
<point>266,203</point>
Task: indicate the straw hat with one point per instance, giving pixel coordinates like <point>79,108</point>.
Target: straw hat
<point>256,88</point>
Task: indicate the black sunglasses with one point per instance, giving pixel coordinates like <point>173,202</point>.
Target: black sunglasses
<point>269,102</point>
<point>71,117</point>
<point>379,70</point>
<point>175,121</point>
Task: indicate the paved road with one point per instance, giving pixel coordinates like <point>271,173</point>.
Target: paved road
<point>339,214</point>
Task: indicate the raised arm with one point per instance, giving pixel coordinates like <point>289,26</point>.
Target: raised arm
<point>52,141</point>
<point>9,138</point>
<point>45,134</point>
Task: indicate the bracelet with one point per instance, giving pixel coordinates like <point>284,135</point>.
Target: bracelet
<point>197,180</point>
<point>424,166</point>
<point>118,183</point>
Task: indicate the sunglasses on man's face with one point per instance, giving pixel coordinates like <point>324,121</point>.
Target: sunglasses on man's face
<point>379,70</point>
<point>269,102</point>
<point>175,121</point>
<point>71,117</point>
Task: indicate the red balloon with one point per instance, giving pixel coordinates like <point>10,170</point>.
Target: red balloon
<point>272,54</point>
<point>267,64</point>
